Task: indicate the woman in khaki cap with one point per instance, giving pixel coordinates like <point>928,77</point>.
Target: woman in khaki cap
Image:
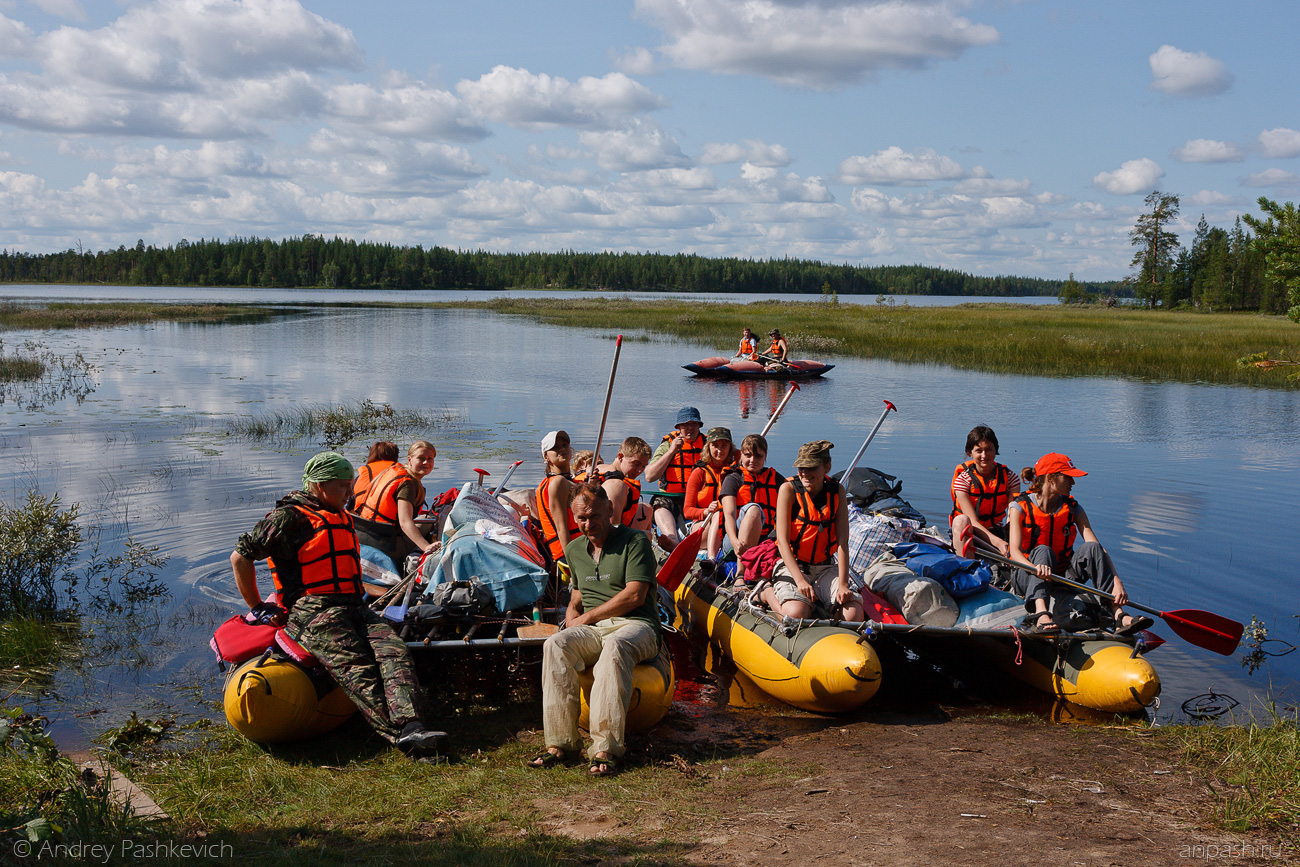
<point>812,535</point>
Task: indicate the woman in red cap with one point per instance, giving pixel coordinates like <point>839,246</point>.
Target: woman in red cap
<point>1044,522</point>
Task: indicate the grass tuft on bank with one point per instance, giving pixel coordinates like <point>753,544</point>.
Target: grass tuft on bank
<point>1041,340</point>
<point>102,315</point>
<point>337,424</point>
<point>1261,762</point>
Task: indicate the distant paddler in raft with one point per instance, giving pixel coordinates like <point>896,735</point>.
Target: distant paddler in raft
<point>316,567</point>
<point>748,347</point>
<point>778,352</point>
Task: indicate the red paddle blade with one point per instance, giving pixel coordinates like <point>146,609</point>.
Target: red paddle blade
<point>679,562</point>
<point>1205,629</point>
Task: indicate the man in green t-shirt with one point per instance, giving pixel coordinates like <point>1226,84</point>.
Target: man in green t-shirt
<point>611,625</point>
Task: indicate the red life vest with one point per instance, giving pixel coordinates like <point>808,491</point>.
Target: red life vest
<point>761,489</point>
<point>365,477</point>
<point>812,530</point>
<point>380,503</point>
<point>777,350</point>
<point>550,533</point>
<point>1057,530</point>
<point>675,477</point>
<point>747,347</point>
<point>990,497</point>
<point>327,563</point>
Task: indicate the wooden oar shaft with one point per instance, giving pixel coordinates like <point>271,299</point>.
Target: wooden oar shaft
<point>609,390</point>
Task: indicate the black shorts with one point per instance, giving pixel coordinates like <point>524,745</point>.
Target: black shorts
<point>672,504</point>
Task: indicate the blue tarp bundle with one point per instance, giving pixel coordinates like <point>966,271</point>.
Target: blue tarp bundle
<point>959,576</point>
<point>489,543</point>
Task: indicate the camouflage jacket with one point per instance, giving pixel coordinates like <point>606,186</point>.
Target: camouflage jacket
<point>281,533</point>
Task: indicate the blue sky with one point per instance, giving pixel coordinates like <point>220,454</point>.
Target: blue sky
<point>991,137</point>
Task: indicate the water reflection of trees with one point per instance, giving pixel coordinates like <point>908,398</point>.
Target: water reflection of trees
<point>35,376</point>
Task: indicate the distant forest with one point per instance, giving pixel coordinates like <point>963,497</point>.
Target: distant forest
<point>314,262</point>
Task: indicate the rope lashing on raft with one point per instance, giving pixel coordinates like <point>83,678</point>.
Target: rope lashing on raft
<point>1209,705</point>
<point>1020,648</point>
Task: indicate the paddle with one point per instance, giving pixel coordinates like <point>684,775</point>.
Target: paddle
<point>609,390</point>
<point>506,478</point>
<point>1202,628</point>
<point>794,386</point>
<point>679,562</point>
<point>853,463</point>
<point>772,358</point>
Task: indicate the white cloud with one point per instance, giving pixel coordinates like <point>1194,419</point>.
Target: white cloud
<point>993,187</point>
<point>210,160</point>
<point>1182,73</point>
<point>186,68</point>
<point>635,61</point>
<point>750,151</point>
<point>769,185</point>
<point>812,43</point>
<point>895,166</point>
<point>1273,177</point>
<point>179,43</point>
<point>70,9</point>
<point>1210,197</point>
<point>15,38</point>
<point>520,98</point>
<point>1134,176</point>
<point>408,109</point>
<point>640,146</point>
<point>1280,143</point>
<point>1204,150</point>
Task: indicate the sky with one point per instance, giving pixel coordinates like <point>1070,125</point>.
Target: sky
<point>1005,137</point>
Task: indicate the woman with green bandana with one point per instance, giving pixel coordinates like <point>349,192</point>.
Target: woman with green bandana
<point>312,549</point>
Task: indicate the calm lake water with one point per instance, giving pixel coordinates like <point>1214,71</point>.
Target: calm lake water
<point>1194,489</point>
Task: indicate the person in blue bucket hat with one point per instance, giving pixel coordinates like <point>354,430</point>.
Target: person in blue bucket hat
<point>671,466</point>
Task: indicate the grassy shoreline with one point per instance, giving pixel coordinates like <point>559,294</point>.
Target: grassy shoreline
<point>58,315</point>
<point>1001,338</point>
<point>1042,340</point>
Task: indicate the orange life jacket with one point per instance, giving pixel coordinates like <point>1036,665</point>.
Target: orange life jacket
<point>812,530</point>
<point>328,563</point>
<point>674,479</point>
<point>990,497</point>
<point>747,347</point>
<point>1057,530</point>
<point>711,487</point>
<point>380,503</point>
<point>550,533</point>
<point>365,477</point>
<point>633,498</point>
<point>776,351</point>
<point>761,489</point>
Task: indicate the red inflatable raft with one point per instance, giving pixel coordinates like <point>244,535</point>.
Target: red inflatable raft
<point>718,367</point>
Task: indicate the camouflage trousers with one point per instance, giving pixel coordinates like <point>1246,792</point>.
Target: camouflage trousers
<point>364,656</point>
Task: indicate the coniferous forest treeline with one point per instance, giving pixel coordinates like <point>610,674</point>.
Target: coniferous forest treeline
<point>313,261</point>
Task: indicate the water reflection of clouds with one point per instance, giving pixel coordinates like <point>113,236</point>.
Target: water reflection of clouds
<point>1156,518</point>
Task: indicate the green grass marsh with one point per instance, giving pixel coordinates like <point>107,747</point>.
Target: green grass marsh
<point>1044,340</point>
